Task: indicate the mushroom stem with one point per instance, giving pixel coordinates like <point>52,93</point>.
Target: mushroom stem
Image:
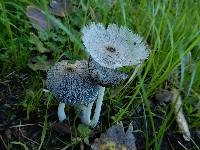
<point>97,111</point>
<point>86,110</point>
<point>86,113</point>
<point>61,112</point>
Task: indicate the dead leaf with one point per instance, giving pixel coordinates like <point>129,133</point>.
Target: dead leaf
<point>39,19</point>
<point>116,138</point>
<point>164,96</point>
<point>61,8</point>
<point>40,65</point>
<point>61,128</point>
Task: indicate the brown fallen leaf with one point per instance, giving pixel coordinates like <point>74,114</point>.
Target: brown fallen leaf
<point>164,96</point>
<point>61,8</point>
<point>45,65</point>
<point>61,128</point>
<point>39,19</point>
<point>116,138</point>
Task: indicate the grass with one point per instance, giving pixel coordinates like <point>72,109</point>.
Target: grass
<point>172,31</point>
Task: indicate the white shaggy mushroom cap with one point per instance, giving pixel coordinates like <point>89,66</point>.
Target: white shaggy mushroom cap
<point>114,46</point>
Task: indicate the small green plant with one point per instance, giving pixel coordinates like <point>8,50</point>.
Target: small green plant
<point>84,132</point>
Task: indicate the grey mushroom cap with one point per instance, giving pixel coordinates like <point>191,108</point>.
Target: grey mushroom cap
<point>71,83</point>
<point>104,76</point>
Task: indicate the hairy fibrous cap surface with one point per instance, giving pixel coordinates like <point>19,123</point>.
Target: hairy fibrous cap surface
<point>105,77</point>
<point>114,46</point>
<point>71,83</point>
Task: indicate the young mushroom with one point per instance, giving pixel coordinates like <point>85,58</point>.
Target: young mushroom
<point>71,84</point>
<point>109,49</point>
<point>104,76</point>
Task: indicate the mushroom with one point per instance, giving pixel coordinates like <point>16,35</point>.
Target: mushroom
<point>104,76</point>
<point>109,49</point>
<point>86,110</point>
<point>71,84</point>
<point>114,46</point>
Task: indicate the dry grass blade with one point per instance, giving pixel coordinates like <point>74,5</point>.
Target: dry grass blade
<point>180,119</point>
<point>166,96</point>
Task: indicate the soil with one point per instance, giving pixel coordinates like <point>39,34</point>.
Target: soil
<point>14,125</point>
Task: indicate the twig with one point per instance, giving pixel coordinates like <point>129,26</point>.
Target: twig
<point>182,145</point>
<point>170,143</point>
<point>20,125</point>
<point>10,74</point>
<point>28,138</point>
<point>3,142</point>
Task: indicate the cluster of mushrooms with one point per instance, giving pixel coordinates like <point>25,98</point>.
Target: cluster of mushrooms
<point>84,82</point>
